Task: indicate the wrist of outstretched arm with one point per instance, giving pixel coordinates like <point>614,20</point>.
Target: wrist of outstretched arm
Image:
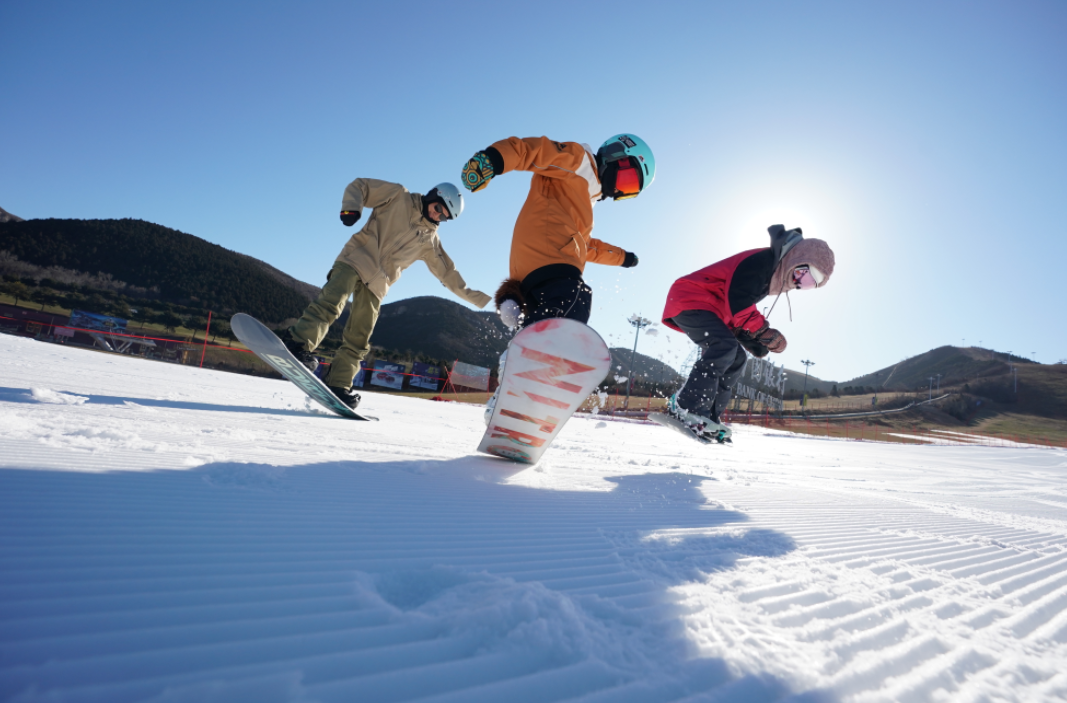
<point>496,160</point>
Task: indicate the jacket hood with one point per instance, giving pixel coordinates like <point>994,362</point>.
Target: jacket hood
<point>812,252</point>
<point>782,240</point>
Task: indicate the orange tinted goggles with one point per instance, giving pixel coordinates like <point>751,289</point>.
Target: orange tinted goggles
<point>627,181</point>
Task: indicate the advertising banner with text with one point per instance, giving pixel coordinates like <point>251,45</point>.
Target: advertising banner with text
<point>470,376</point>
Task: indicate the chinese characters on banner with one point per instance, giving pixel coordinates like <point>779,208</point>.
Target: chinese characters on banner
<point>762,382</point>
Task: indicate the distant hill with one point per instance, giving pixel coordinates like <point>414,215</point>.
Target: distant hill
<point>183,268</point>
<point>440,329</point>
<point>646,368</point>
<point>794,381</point>
<point>308,291</point>
<point>6,216</point>
<point>955,364</point>
<point>443,329</point>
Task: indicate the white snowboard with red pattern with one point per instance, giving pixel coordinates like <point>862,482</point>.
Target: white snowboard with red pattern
<point>551,368</point>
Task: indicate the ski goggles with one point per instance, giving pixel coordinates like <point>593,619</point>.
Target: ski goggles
<point>627,180</point>
<point>807,277</point>
<point>441,211</point>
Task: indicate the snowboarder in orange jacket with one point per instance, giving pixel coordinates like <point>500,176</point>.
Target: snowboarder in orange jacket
<point>552,239</point>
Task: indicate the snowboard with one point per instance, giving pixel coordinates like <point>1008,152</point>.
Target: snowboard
<point>679,426</point>
<point>266,345</point>
<point>551,368</point>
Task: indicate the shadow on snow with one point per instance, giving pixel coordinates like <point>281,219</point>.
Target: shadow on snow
<point>362,581</point>
<point>25,395</point>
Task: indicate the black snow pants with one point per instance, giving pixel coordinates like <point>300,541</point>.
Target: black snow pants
<point>559,297</point>
<point>710,385</point>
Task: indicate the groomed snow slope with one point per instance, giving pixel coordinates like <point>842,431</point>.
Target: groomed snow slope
<point>172,534</point>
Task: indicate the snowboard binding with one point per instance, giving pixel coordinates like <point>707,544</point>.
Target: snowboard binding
<point>703,429</point>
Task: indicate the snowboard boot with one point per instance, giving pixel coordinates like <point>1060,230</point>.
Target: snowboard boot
<point>347,396</point>
<point>296,348</point>
<point>700,425</point>
<point>491,403</point>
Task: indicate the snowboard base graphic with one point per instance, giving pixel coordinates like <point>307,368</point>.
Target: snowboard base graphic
<point>679,426</point>
<point>266,345</point>
<point>551,368</point>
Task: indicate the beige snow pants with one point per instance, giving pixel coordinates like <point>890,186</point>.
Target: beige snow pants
<point>341,282</point>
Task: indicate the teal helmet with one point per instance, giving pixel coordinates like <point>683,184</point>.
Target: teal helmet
<point>627,145</point>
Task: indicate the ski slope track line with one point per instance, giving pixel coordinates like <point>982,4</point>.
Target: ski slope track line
<point>175,534</point>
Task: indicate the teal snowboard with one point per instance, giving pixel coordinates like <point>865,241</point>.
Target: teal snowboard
<point>266,345</point>
<point>679,426</point>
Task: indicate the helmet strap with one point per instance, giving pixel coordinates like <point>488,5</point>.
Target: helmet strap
<point>607,180</point>
<point>428,200</point>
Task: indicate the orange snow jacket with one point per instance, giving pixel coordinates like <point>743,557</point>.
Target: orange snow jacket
<point>554,225</point>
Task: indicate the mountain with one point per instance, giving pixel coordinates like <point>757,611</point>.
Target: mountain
<point>6,216</point>
<point>646,368</point>
<point>178,267</point>
<point>794,381</point>
<point>305,289</point>
<point>440,329</point>
<point>955,365</point>
<point>445,330</point>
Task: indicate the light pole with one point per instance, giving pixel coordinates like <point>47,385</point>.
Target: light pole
<point>804,393</point>
<point>930,389</point>
<point>639,323</point>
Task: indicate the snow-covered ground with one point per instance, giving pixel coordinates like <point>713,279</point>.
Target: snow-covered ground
<point>172,534</point>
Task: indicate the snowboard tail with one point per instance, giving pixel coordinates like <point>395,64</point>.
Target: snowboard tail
<point>551,368</point>
<point>266,345</point>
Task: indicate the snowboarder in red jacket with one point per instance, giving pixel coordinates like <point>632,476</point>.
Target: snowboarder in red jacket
<point>716,307</point>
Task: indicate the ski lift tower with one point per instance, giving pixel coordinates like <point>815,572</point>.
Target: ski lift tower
<point>687,365</point>
<point>639,323</point>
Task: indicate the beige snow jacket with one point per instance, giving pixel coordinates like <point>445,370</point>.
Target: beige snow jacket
<point>395,236</point>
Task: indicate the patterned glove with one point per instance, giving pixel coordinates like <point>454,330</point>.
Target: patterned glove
<point>350,217</point>
<point>771,338</point>
<point>477,172</point>
<point>750,343</point>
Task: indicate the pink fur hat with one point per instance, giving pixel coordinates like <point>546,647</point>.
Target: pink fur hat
<point>813,252</point>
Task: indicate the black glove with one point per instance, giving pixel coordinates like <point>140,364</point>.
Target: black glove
<point>350,217</point>
<point>750,343</point>
<point>630,261</point>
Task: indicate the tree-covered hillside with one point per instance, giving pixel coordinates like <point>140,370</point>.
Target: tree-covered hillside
<point>440,329</point>
<point>174,266</point>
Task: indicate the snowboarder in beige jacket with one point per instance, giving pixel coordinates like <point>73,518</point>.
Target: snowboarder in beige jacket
<point>401,230</point>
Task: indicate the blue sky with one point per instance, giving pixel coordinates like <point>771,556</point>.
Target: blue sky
<point>925,142</point>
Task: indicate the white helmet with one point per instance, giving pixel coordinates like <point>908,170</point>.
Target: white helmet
<point>450,197</point>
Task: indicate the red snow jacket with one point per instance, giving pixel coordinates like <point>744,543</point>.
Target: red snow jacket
<point>730,289</point>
